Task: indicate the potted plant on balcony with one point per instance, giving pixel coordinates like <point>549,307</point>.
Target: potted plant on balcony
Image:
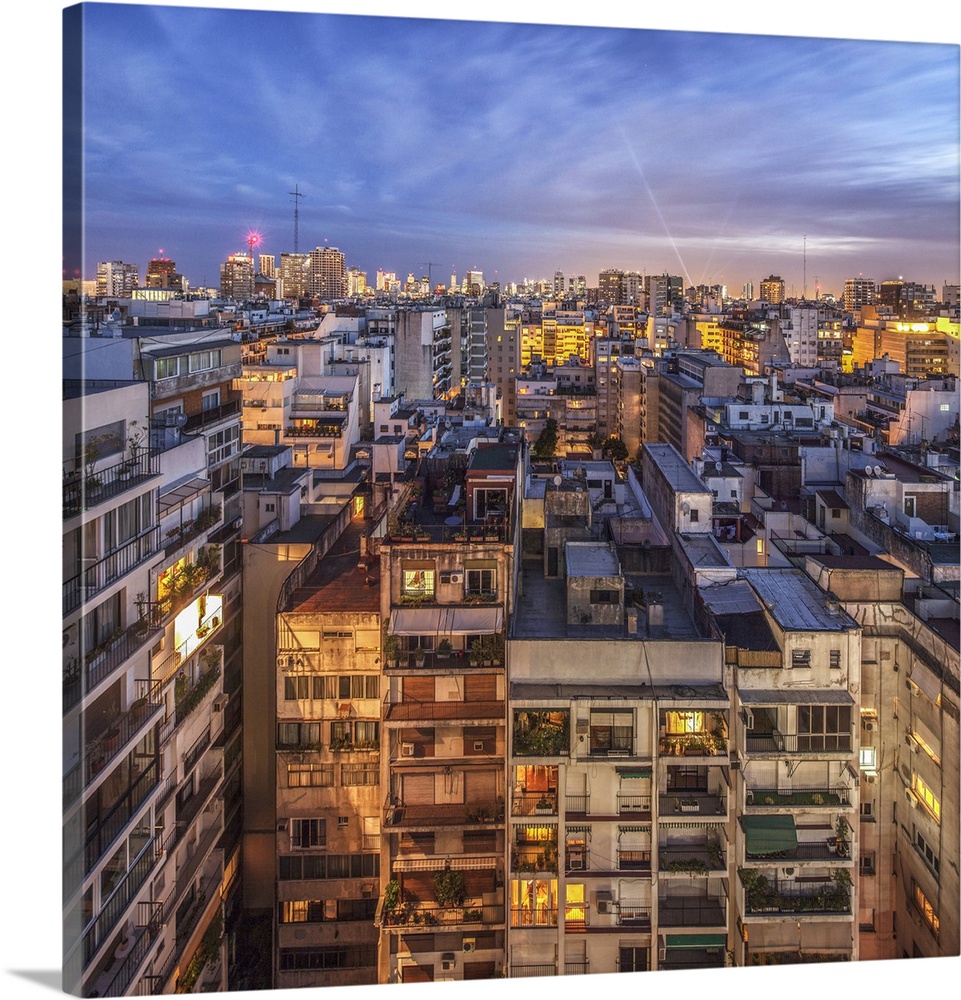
<point>444,649</point>
<point>841,830</point>
<point>390,645</point>
<point>543,806</point>
<point>92,481</point>
<point>449,887</point>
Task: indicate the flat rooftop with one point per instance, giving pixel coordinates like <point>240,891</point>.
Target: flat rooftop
<point>675,470</point>
<point>795,602</point>
<point>591,559</point>
<point>341,581</point>
<point>540,610</point>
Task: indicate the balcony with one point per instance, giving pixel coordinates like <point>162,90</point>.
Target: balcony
<point>540,859</point>
<point>634,861</point>
<point>692,859</point>
<point>777,742</point>
<point>114,566</point>
<point>528,917</point>
<point>534,804</point>
<point>445,711</point>
<point>701,803</point>
<point>638,806</point>
<point>693,745</point>
<point>636,917</point>
<point>763,898</point>
<point>529,971</point>
<point>691,911</point>
<point>810,798</point>
<point>577,917</point>
<point>100,751</point>
<point>427,817</point>
<point>414,914</point>
<point>215,415</point>
<point>83,492</point>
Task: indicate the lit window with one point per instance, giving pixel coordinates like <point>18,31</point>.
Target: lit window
<point>926,909</point>
<point>418,582</point>
<point>927,796</point>
<point>869,759</point>
<point>677,723</point>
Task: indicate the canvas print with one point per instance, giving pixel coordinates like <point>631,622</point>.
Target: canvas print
<point>510,501</point>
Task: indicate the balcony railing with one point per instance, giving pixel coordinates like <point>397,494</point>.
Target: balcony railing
<point>117,564</point>
<point>686,802</point>
<point>578,803</point>
<point>577,968</point>
<point>534,804</point>
<point>777,742</point>
<point>634,861</point>
<point>527,971</point>
<point>810,797</point>
<point>638,917</point>
<point>691,911</point>
<point>444,814</point>
<point>632,805</point>
<point>693,859</point>
<point>537,860</point>
<point>82,492</point>
<point>214,415</point>
<point>431,711</point>
<point>829,899</point>
<point>692,745</point>
<point>540,917</point>
<point>577,916</point>
<point>435,915</point>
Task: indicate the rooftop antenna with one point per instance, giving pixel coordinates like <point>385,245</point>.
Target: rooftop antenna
<point>428,264</point>
<point>804,290</point>
<point>296,195</point>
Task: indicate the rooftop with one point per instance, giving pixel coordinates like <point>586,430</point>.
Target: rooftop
<point>795,602</point>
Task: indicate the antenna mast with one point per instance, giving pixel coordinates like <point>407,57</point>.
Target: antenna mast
<point>428,264</point>
<point>804,291</point>
<point>296,195</point>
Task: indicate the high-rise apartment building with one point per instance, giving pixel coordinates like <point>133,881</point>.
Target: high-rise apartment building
<point>295,275</point>
<point>504,355</point>
<point>859,292</point>
<point>772,289</point>
<point>151,670</point>
<point>116,279</point>
<point>237,277</point>
<point>162,273</point>
<point>266,264</point>
<point>328,274</point>
<point>474,283</point>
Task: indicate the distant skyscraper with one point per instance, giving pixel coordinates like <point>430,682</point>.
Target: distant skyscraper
<point>294,272</point>
<point>237,277</point>
<point>328,273</point>
<point>772,289</point>
<point>267,265</point>
<point>559,283</point>
<point>858,292</point>
<point>474,283</point>
<point>162,273</point>
<point>116,278</point>
<point>747,290</point>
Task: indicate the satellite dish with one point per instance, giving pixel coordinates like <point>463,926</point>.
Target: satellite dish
<point>869,470</point>
<point>685,508</point>
<point>557,480</point>
<point>877,470</point>
<point>718,466</point>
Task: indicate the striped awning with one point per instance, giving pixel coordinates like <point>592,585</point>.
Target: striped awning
<point>768,834</point>
<point>446,621</point>
<point>634,772</point>
<point>695,941</point>
<point>438,864</point>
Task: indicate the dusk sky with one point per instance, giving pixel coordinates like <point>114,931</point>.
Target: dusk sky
<point>518,149</point>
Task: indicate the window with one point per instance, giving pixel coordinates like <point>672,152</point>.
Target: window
<point>800,657</point>
<point>356,909</point>
<point>299,734</point>
<point>867,864</point>
<point>359,774</point>
<point>302,911</point>
<point>866,810</point>
<point>695,514</point>
<point>358,686</point>
<point>605,597</point>
<point>678,723</point>
<point>310,775</point>
<point>835,659</point>
<point>931,802</point>
<point>418,583</point>
<point>342,822</point>
<point>612,731</point>
<point>823,727</point>
<point>359,956</point>
<point>210,400</point>
<point>927,852</point>
<point>308,833</point>
<point>869,759</point>
<point>482,581</point>
<point>926,909</point>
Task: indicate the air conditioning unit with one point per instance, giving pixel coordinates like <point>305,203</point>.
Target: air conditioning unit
<point>407,749</point>
<point>911,798</point>
<point>456,577</point>
<point>870,779</point>
<point>787,873</point>
<point>478,746</point>
<point>605,902</point>
<point>735,761</point>
<point>447,961</point>
<point>748,719</point>
<point>662,954</point>
<point>469,945</point>
<point>868,727</point>
<point>220,702</point>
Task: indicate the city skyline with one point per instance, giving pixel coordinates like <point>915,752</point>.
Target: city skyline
<point>577,162</point>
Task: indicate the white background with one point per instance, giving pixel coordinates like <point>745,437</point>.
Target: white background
<point>30,887</point>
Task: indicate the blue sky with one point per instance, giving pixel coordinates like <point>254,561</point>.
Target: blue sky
<point>518,148</point>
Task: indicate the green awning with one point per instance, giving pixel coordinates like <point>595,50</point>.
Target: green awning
<point>696,941</point>
<point>634,772</point>
<point>769,834</point>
